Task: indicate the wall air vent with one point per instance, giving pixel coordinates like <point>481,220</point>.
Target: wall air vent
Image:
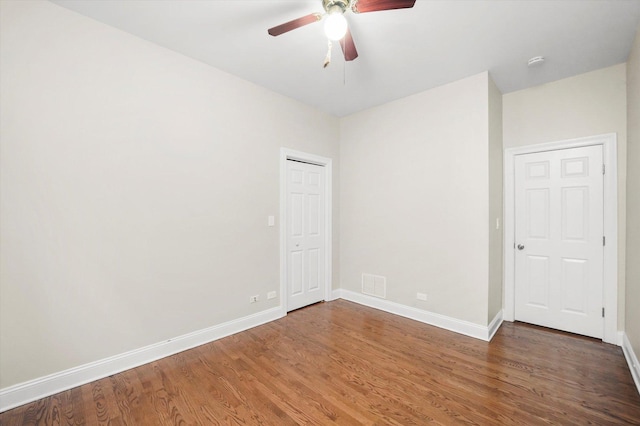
<point>374,285</point>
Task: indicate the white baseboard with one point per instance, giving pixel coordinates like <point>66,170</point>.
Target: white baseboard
<point>438,320</point>
<point>335,295</point>
<point>495,324</point>
<point>32,390</point>
<point>632,360</point>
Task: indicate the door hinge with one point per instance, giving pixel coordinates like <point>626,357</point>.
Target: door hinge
<point>604,240</point>
<point>602,312</point>
<point>603,169</point>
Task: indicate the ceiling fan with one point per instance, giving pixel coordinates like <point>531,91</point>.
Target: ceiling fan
<point>336,26</point>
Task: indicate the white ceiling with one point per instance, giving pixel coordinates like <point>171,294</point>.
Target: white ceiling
<point>402,52</point>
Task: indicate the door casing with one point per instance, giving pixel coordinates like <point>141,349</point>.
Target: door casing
<point>610,201</point>
<point>289,154</point>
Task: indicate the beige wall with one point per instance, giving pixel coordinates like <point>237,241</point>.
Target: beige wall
<point>585,105</point>
<point>415,198</point>
<point>496,236</point>
<point>633,197</point>
<point>135,189</point>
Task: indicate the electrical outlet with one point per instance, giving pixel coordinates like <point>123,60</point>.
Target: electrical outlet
<point>254,299</point>
<point>421,296</point>
<point>271,295</point>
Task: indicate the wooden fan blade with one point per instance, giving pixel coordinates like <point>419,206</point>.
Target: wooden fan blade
<point>362,6</point>
<point>348,47</point>
<point>296,23</point>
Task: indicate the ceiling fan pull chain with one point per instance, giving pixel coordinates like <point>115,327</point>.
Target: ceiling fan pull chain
<point>327,59</point>
<point>344,73</point>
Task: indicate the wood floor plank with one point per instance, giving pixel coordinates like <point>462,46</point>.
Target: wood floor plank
<point>343,363</point>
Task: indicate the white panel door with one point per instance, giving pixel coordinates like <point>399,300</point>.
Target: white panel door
<point>559,239</point>
<point>305,234</point>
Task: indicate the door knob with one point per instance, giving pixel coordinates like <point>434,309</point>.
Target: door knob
<point>520,247</point>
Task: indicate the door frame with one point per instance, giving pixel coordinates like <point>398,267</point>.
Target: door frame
<point>610,205</point>
<point>290,154</point>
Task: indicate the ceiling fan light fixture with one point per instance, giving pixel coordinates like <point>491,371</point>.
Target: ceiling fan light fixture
<point>335,25</point>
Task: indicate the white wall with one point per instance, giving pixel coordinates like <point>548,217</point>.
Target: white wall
<point>496,236</point>
<point>135,189</point>
<point>415,198</point>
<point>585,105</point>
<point>633,197</point>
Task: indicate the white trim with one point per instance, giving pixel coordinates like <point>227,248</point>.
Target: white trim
<point>610,199</point>
<point>632,360</point>
<point>442,321</point>
<point>336,294</point>
<point>289,154</point>
<point>494,325</point>
<point>23,393</point>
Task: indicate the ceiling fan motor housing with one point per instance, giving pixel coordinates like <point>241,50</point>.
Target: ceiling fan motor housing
<point>333,6</point>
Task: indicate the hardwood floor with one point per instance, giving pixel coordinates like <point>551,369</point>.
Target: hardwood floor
<point>343,363</point>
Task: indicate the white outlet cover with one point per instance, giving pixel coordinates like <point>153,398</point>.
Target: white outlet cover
<point>271,221</point>
<point>421,296</point>
<point>271,295</point>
